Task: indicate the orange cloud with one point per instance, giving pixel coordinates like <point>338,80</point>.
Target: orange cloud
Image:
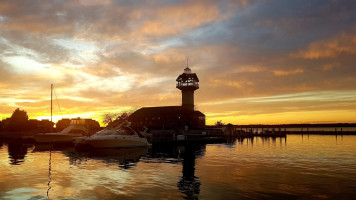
<point>34,24</point>
<point>287,72</point>
<point>330,66</point>
<point>168,58</point>
<point>6,6</point>
<point>329,48</point>
<point>174,19</point>
<point>249,68</point>
<point>93,2</point>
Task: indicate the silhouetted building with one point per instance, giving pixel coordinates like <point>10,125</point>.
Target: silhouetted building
<point>170,117</point>
<point>173,117</point>
<point>91,124</point>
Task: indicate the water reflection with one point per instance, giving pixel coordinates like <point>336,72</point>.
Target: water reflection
<point>51,147</point>
<point>49,173</point>
<point>250,168</point>
<point>17,152</point>
<point>188,184</point>
<point>126,158</point>
<point>340,137</point>
<point>242,140</point>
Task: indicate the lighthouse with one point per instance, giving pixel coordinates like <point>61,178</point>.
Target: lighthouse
<point>188,82</point>
<point>182,117</point>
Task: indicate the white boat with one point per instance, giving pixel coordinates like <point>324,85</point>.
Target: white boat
<point>118,135</point>
<point>77,128</point>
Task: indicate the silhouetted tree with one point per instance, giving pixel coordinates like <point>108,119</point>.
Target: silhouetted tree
<point>18,120</point>
<point>219,124</point>
<point>62,124</point>
<point>124,116</point>
<point>110,117</point>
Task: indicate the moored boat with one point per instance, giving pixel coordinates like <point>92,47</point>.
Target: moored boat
<point>77,128</point>
<point>118,135</point>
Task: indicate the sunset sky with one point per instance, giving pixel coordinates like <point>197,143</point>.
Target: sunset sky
<point>258,61</point>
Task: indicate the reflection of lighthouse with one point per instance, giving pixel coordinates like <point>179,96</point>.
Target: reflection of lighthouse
<point>188,82</point>
<point>189,184</point>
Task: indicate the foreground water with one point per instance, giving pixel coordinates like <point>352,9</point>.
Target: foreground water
<point>298,167</point>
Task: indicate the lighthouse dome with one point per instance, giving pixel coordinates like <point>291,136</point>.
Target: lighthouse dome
<point>187,70</point>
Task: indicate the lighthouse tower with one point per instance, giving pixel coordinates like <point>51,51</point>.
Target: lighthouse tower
<point>188,82</point>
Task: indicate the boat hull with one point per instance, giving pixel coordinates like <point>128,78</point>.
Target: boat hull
<point>54,138</point>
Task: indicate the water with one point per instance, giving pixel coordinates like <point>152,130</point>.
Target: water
<point>298,167</point>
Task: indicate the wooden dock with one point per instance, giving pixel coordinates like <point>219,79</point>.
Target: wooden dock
<point>231,131</point>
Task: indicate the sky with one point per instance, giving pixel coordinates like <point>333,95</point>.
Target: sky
<point>258,61</point>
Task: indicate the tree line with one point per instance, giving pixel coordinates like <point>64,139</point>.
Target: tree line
<point>19,122</point>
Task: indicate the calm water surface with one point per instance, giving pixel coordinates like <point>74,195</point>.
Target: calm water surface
<point>298,167</point>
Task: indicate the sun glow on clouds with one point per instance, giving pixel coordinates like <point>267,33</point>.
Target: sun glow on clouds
<point>342,116</point>
<point>25,65</point>
<point>304,96</point>
<point>286,73</point>
<point>289,108</point>
<point>2,18</point>
<point>106,55</point>
<point>82,51</point>
<point>22,60</point>
<point>330,48</point>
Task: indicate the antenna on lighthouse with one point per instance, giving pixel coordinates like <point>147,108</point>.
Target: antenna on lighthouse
<point>187,61</point>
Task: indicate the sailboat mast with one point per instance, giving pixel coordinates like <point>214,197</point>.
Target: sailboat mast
<point>51,100</point>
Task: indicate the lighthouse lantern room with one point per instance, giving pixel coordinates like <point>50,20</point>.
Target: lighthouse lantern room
<point>188,82</point>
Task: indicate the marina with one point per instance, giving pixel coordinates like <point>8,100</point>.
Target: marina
<point>162,124</point>
<point>169,100</point>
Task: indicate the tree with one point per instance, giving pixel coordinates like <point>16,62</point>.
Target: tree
<point>219,124</point>
<point>62,124</point>
<point>18,120</point>
<point>124,116</point>
<point>110,117</point>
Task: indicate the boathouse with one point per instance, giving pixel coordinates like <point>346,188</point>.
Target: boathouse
<point>182,117</point>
